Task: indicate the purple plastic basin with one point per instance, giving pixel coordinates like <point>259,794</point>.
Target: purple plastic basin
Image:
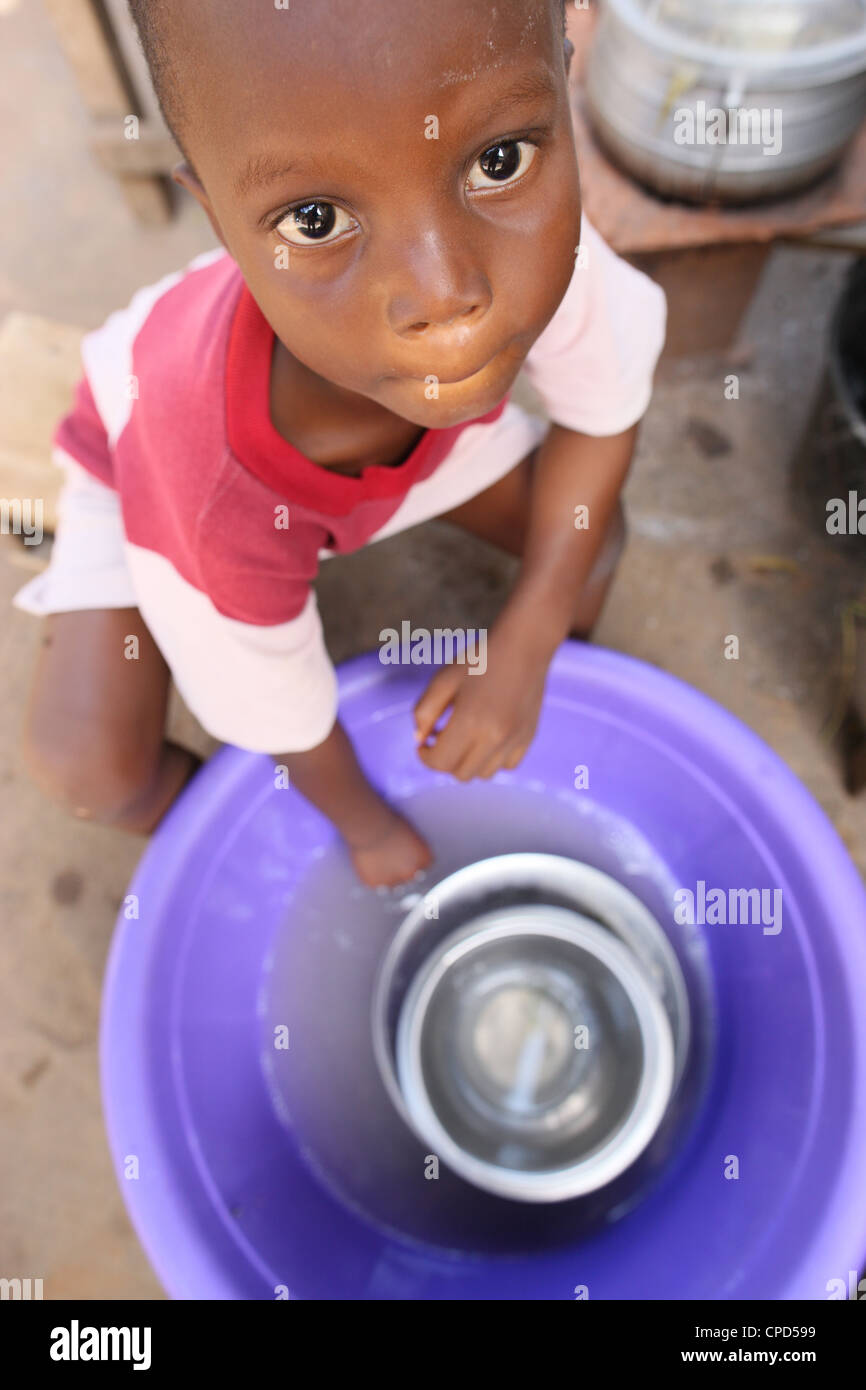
<point>225,1193</point>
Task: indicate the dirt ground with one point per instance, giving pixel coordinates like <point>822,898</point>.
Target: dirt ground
<point>725,539</point>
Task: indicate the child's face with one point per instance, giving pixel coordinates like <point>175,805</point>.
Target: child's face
<point>408,257</point>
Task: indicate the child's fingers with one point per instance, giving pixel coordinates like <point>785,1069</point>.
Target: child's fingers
<point>434,702</point>
<point>494,764</point>
<point>453,744</point>
<point>503,760</point>
<point>477,759</point>
<point>516,757</point>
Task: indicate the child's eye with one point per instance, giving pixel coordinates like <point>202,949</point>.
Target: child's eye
<point>502,163</point>
<point>313,222</point>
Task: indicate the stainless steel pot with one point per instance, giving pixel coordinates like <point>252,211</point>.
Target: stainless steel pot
<point>729,100</point>
<point>531,1025</point>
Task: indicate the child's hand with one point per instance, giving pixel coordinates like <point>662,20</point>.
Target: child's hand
<point>394,853</point>
<point>494,714</point>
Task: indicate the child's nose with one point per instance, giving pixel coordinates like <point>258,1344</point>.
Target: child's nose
<point>440,324</point>
<point>448,303</point>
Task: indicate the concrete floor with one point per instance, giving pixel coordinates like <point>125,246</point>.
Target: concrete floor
<point>721,543</point>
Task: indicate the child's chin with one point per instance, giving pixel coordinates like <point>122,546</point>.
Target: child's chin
<point>451,405</point>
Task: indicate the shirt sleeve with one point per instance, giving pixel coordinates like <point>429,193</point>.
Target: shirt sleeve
<point>593,365</point>
<point>268,688</point>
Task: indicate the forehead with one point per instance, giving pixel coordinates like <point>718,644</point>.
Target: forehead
<point>250,71</point>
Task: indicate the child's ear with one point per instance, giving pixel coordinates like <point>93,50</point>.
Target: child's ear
<point>568,48</point>
<point>186,176</point>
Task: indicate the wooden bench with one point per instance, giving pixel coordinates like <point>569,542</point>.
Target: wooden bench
<point>100,45</point>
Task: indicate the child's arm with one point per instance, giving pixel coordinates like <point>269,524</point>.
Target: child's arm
<point>572,471</point>
<point>384,847</point>
<point>494,715</point>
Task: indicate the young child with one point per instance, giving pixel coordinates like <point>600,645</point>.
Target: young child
<point>396,189</point>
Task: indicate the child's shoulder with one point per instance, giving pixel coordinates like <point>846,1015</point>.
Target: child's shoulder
<point>593,364</point>
<point>167,344</point>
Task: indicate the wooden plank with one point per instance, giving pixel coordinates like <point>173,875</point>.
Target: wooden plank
<point>92,54</point>
<point>152,152</point>
<point>100,44</point>
<point>149,198</point>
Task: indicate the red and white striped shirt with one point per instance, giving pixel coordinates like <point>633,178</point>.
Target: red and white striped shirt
<point>182,499</point>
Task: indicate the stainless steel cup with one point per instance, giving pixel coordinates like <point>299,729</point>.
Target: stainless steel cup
<point>530,1023</point>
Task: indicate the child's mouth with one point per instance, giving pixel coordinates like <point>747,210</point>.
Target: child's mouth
<point>445,378</point>
<point>461,397</point>
<point>459,380</point>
